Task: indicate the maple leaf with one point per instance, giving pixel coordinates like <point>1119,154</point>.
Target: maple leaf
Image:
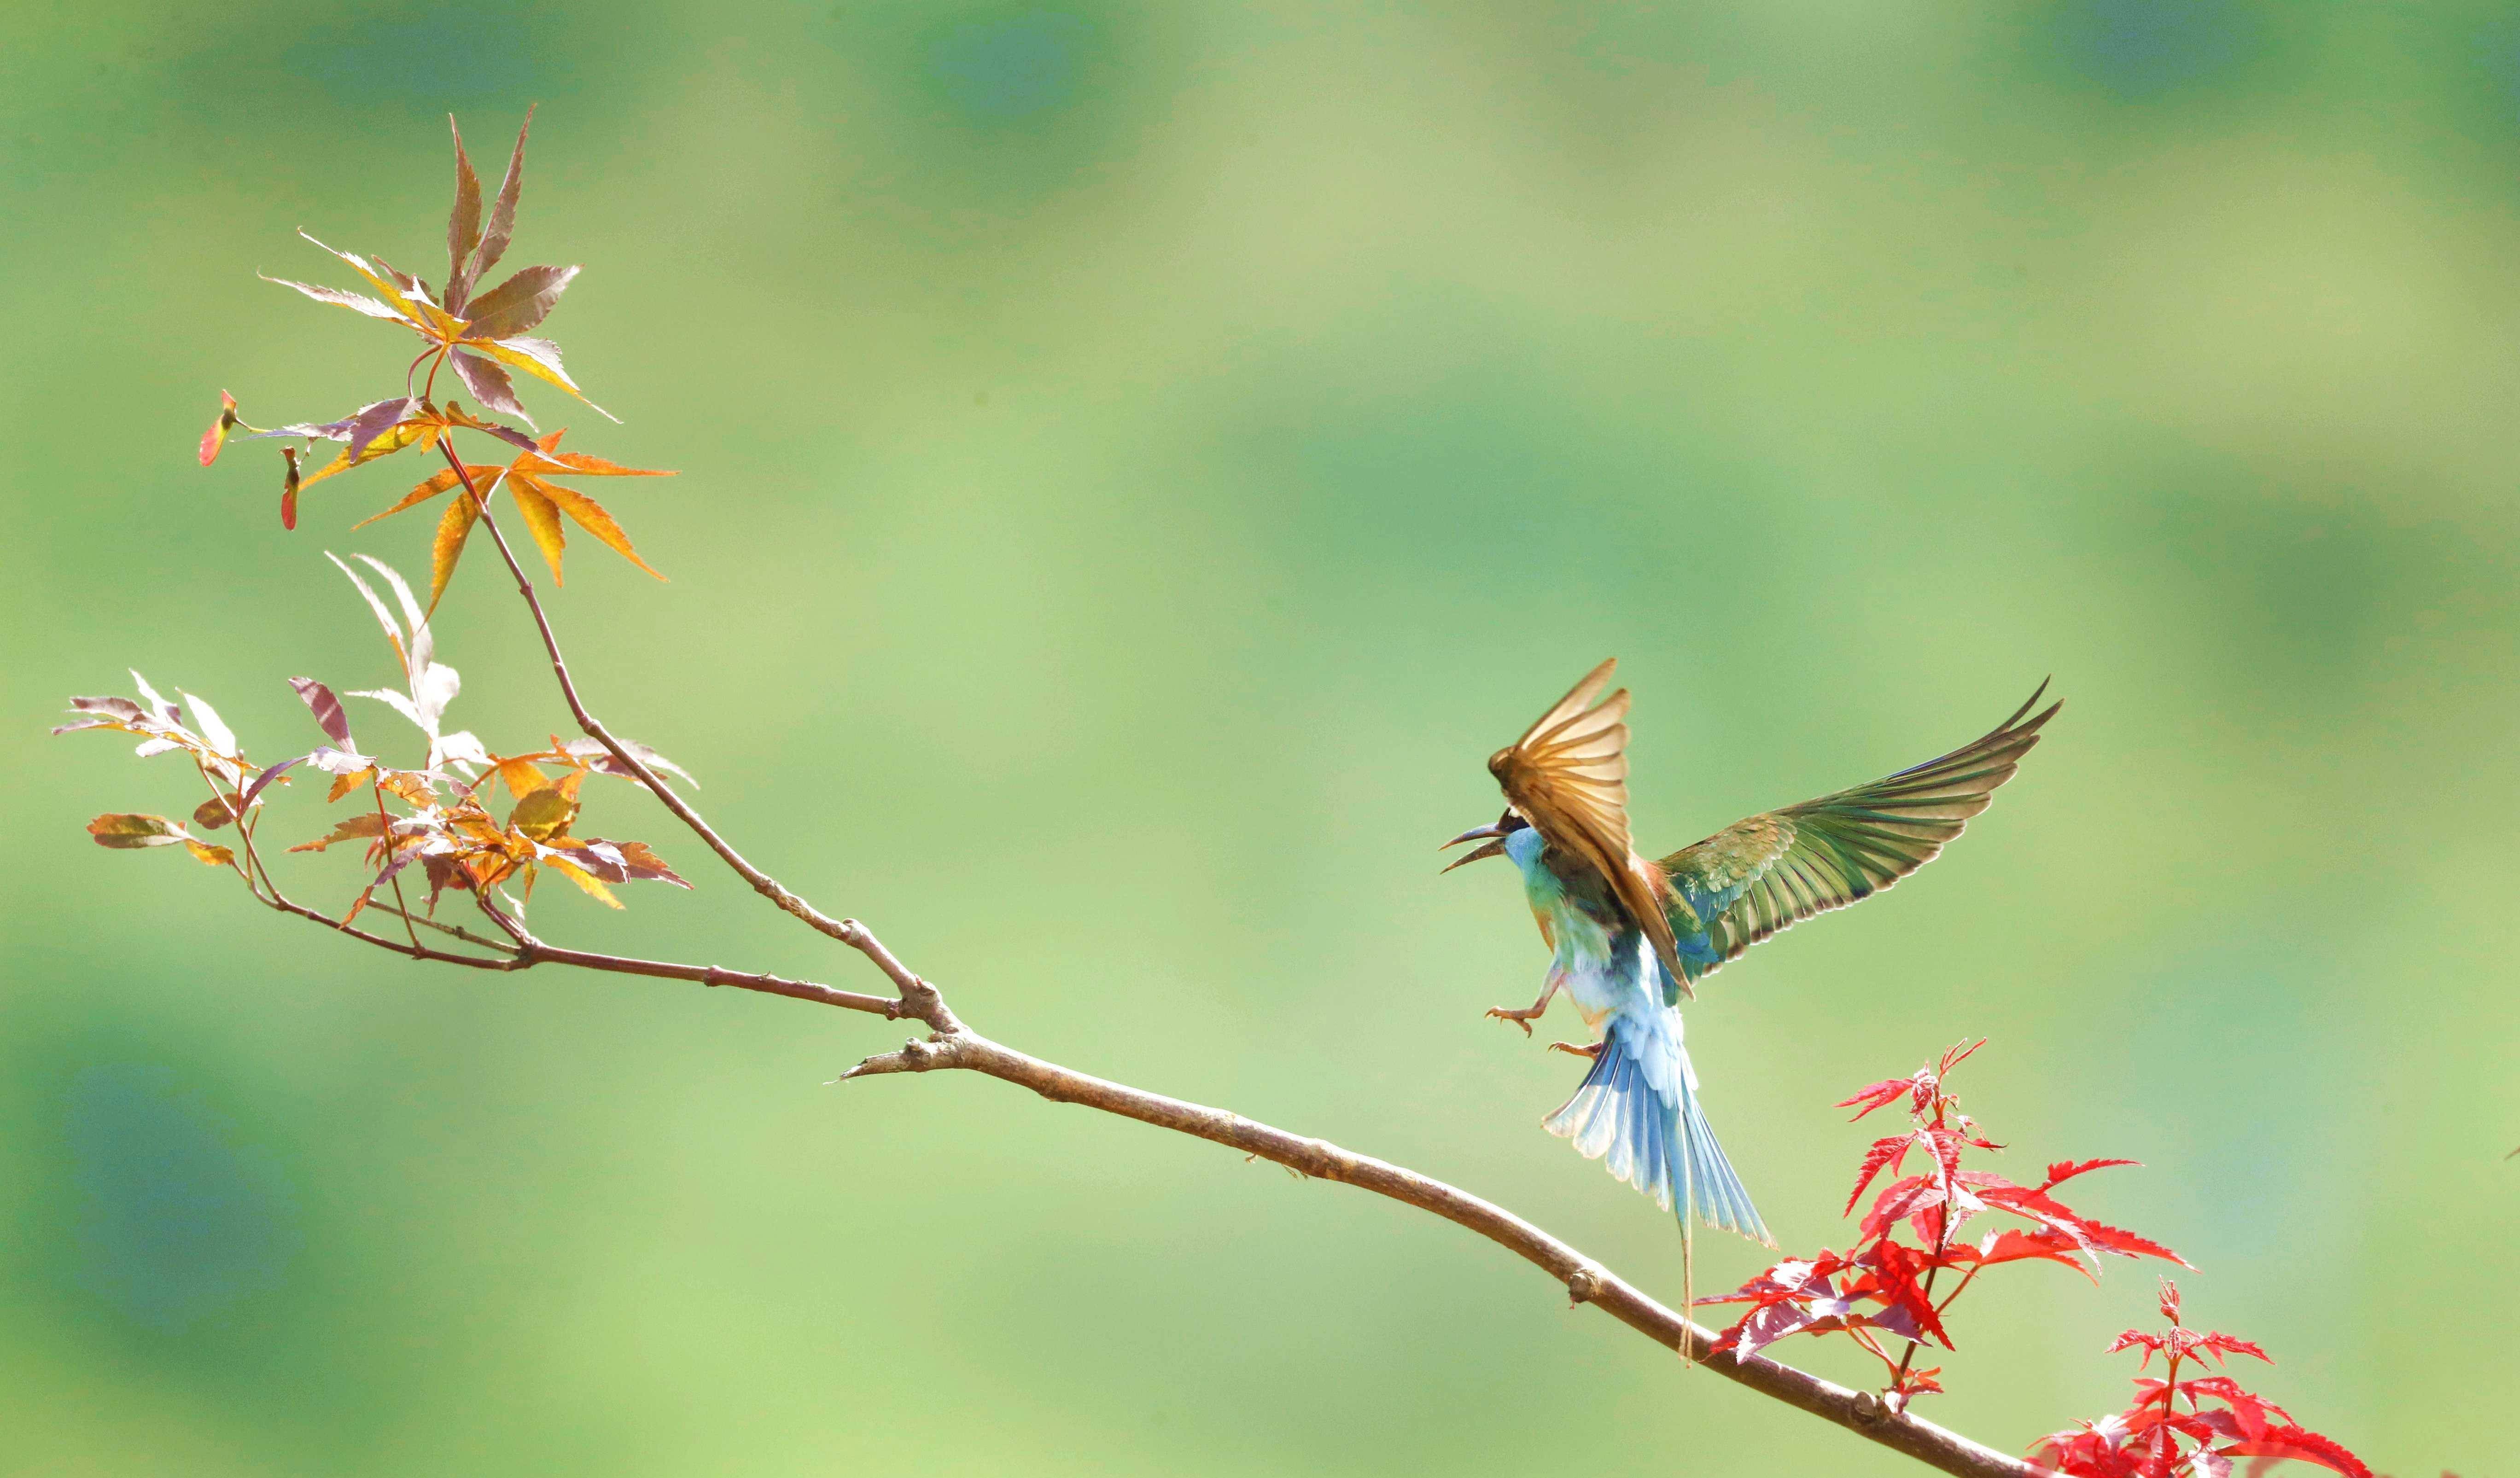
<point>539,500</point>
<point>481,335</point>
<point>126,831</point>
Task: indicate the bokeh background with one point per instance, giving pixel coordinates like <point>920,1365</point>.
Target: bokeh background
<point>1137,461</point>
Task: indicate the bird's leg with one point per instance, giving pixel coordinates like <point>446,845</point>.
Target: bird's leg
<point>1530,1013</point>
<point>1588,1052</point>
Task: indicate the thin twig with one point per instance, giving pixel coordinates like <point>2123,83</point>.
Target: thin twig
<point>921,1000</point>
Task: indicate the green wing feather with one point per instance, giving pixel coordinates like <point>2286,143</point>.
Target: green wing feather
<point>1768,873</point>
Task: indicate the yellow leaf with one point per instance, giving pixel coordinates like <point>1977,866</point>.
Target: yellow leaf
<point>538,357</point>
<point>522,778</point>
<point>545,813</point>
<point>343,785</point>
<point>590,516</point>
<point>428,489</point>
<point>593,885</point>
<point>452,530</point>
<point>218,856</point>
<point>542,520</point>
<point>421,432</point>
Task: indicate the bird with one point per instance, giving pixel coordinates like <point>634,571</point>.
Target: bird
<point>1630,938</point>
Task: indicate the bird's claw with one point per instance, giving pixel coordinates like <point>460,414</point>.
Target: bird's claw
<point>1588,1052</point>
<point>1520,1017</point>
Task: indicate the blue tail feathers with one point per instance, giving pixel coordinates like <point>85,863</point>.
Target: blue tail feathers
<point>1643,1121</point>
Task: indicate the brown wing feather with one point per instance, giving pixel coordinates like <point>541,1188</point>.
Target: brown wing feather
<point>1569,776</point>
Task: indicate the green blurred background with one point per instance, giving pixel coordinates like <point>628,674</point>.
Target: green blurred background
<point>1137,461</point>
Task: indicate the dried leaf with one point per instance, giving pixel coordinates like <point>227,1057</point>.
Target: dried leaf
<point>125,830</point>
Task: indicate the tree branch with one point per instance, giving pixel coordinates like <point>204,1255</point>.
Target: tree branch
<point>1586,1281</point>
<point>952,1046</point>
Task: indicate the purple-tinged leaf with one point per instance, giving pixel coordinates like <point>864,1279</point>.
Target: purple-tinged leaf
<point>74,728</point>
<point>507,434</point>
<point>273,774</point>
<point>519,304</point>
<point>401,306</point>
<point>120,708</point>
<point>339,761</point>
<point>214,812</point>
<point>356,303</point>
<point>490,385</point>
<point>124,831</point>
<point>463,224</point>
<point>600,759</point>
<point>411,287</point>
<point>540,357</point>
<point>327,708</point>
<point>503,210</point>
<point>309,430</point>
<point>149,749</point>
<point>374,421</point>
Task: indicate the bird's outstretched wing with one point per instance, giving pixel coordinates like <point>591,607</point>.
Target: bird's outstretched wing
<point>1569,776</point>
<point>1770,872</point>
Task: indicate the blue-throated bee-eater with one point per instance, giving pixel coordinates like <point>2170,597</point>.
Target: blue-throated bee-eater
<point>1630,937</point>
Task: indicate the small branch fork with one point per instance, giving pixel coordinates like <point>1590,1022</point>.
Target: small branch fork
<point>950,1044</point>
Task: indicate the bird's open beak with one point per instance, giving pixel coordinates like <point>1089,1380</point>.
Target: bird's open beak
<point>1493,831</point>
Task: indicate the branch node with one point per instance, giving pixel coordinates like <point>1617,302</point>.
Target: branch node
<point>1583,1285</point>
<point>1869,1410</point>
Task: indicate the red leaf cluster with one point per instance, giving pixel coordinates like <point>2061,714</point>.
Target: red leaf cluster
<point>2192,1428</point>
<point>1910,1237</point>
